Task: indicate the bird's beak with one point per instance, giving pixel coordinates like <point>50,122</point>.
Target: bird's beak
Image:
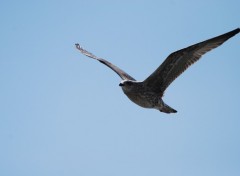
<point>121,84</point>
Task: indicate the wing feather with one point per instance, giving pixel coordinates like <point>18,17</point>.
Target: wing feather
<point>177,62</point>
<point>117,70</point>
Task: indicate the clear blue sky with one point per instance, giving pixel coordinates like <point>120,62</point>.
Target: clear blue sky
<point>64,114</point>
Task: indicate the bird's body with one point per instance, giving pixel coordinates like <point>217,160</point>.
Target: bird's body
<point>143,96</point>
<point>149,93</point>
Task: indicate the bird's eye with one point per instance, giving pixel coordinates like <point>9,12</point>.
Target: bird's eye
<point>129,83</point>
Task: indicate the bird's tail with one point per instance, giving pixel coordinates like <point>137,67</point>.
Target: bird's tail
<point>167,109</point>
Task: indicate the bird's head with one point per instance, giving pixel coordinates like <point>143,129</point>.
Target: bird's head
<point>128,85</point>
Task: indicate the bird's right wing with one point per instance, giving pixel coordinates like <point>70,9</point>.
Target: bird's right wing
<point>120,72</point>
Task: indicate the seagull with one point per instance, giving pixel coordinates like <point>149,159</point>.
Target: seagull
<point>149,93</point>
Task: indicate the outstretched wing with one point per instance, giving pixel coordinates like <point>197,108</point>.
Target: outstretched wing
<point>120,72</point>
<point>177,62</point>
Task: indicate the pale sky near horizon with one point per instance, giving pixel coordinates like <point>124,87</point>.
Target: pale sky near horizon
<point>64,114</point>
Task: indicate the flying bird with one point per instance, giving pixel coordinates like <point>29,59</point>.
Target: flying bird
<point>149,93</point>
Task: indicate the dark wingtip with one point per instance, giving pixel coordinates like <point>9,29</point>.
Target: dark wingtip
<point>237,30</point>
<point>233,32</point>
<point>77,45</point>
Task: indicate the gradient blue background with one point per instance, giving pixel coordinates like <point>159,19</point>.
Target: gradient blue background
<point>64,114</point>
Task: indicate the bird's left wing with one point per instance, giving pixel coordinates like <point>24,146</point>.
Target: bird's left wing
<point>177,62</point>
<point>120,72</point>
